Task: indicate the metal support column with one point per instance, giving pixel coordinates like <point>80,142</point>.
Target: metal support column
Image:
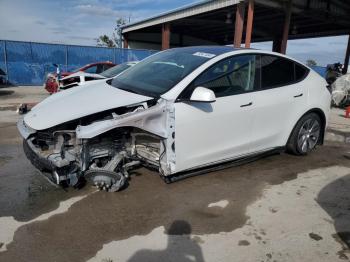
<point>346,61</point>
<point>165,36</point>
<point>239,25</point>
<point>286,26</point>
<point>249,28</point>
<point>125,42</point>
<point>276,44</point>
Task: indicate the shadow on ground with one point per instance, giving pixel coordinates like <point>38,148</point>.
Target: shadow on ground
<point>335,200</point>
<point>6,92</point>
<point>180,247</point>
<point>148,203</point>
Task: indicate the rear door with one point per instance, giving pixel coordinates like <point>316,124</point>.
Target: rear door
<point>281,99</point>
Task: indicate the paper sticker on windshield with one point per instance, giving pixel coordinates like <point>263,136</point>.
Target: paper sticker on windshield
<point>202,54</point>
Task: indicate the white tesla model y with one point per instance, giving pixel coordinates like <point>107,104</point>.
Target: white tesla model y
<point>180,111</point>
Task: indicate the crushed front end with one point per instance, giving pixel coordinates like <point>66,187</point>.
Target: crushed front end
<point>104,147</point>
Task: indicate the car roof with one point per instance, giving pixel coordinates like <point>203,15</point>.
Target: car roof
<point>218,50</point>
<point>212,49</point>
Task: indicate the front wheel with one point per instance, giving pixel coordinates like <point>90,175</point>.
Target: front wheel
<point>305,135</point>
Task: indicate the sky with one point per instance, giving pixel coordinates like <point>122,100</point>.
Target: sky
<point>80,22</point>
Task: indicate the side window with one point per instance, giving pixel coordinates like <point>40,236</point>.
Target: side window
<point>276,71</point>
<point>232,76</point>
<point>300,72</point>
<point>91,70</point>
<point>99,68</point>
<point>106,66</point>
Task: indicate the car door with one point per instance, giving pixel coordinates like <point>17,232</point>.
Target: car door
<point>278,103</point>
<point>212,132</point>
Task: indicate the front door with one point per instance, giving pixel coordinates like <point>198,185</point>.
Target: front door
<point>207,133</point>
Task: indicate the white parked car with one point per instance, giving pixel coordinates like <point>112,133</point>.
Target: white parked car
<point>180,111</point>
<point>81,77</point>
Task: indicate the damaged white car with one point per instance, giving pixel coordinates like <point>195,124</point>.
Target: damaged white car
<point>182,111</point>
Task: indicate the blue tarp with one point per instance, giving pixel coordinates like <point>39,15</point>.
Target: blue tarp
<point>28,63</point>
<point>321,70</point>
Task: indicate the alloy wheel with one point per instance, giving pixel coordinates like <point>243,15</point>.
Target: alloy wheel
<point>309,134</point>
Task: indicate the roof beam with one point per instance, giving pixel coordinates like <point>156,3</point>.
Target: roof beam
<point>186,11</point>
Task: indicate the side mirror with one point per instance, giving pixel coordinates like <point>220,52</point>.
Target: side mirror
<point>202,94</point>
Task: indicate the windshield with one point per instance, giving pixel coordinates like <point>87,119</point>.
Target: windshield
<point>115,70</point>
<point>157,74</point>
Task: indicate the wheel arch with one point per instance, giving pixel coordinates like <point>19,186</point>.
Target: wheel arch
<point>322,116</point>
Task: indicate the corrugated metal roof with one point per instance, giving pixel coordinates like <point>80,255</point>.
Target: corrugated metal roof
<point>182,12</point>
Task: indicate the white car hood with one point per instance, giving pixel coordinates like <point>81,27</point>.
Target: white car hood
<point>81,73</point>
<point>77,102</point>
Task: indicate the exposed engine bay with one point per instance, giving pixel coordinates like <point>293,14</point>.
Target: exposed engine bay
<point>104,147</point>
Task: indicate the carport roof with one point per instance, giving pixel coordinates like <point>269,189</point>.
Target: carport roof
<point>181,12</point>
<point>207,20</point>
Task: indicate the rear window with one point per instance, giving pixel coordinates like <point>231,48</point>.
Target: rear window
<point>276,71</point>
<point>300,72</point>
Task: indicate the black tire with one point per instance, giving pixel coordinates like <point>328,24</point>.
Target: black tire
<point>294,145</point>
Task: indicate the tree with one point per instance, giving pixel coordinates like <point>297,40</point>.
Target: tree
<point>117,34</point>
<point>104,40</point>
<point>311,62</point>
<point>116,39</point>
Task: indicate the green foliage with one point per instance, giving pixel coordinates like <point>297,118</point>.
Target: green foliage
<point>311,62</point>
<point>117,33</point>
<point>104,40</point>
<point>116,39</point>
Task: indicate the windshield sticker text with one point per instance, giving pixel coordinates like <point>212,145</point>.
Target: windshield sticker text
<point>202,54</point>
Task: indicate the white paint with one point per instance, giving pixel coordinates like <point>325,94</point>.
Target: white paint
<point>202,94</point>
<point>228,128</point>
<point>9,225</point>
<point>210,133</point>
<point>83,75</point>
<point>93,98</point>
<point>284,231</point>
<point>221,203</point>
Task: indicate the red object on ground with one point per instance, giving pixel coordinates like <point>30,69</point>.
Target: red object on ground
<point>347,112</point>
<point>51,83</point>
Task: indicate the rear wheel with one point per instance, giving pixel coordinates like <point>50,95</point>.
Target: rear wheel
<point>305,135</point>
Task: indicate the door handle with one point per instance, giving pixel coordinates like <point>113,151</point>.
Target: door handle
<point>249,104</point>
<point>299,95</point>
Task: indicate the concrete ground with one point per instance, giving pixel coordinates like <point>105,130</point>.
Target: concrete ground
<point>279,208</point>
<point>339,126</point>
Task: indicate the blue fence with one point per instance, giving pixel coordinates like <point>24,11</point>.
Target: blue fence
<point>27,63</point>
